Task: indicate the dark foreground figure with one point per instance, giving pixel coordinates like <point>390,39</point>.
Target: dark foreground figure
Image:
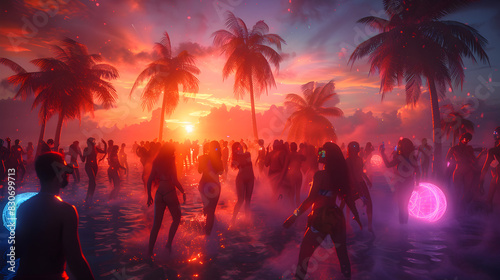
<point>326,217</point>
<point>47,228</point>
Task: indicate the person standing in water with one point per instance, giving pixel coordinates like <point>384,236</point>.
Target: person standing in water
<point>210,166</point>
<point>164,170</point>
<point>75,151</point>
<point>493,154</point>
<point>91,167</point>
<point>408,174</point>
<point>122,156</point>
<point>244,179</point>
<point>359,181</point>
<point>425,153</point>
<point>326,217</point>
<point>292,175</point>
<point>114,167</point>
<point>47,227</point>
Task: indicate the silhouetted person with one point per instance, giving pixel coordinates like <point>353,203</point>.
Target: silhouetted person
<point>244,179</point>
<point>51,144</point>
<point>30,153</point>
<point>4,157</point>
<point>407,174</point>
<point>465,169</point>
<point>210,166</point>
<point>493,154</point>
<point>275,160</point>
<point>114,167</point>
<point>122,156</point>
<point>44,147</point>
<point>165,171</point>
<point>292,175</point>
<point>74,152</point>
<point>261,157</point>
<point>16,153</point>
<point>91,167</point>
<point>225,157</point>
<point>326,217</point>
<point>47,227</point>
<point>425,153</point>
<point>359,181</point>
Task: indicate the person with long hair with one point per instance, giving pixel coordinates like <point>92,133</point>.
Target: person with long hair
<point>210,166</point>
<point>408,174</point>
<point>326,217</point>
<point>89,156</point>
<point>75,151</point>
<point>164,170</point>
<point>244,179</point>
<point>291,174</point>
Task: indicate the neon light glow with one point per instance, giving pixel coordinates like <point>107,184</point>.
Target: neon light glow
<point>9,216</point>
<point>376,161</point>
<point>427,203</point>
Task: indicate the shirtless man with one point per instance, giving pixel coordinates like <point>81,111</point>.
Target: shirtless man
<point>47,227</point>
<point>493,154</point>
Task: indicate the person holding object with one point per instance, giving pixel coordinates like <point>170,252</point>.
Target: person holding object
<point>326,217</point>
<point>47,227</point>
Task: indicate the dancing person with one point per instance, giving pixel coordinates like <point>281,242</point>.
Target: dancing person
<point>113,171</point>
<point>464,173</point>
<point>359,181</point>
<point>4,157</point>
<point>165,171</point>
<point>244,179</point>
<point>291,174</point>
<point>408,174</point>
<point>261,157</point>
<point>326,217</point>
<point>425,154</point>
<point>89,156</point>
<point>74,152</point>
<point>225,158</point>
<point>493,154</point>
<point>47,227</point>
<point>210,166</point>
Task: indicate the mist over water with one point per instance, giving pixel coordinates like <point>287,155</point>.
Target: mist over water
<point>114,237</point>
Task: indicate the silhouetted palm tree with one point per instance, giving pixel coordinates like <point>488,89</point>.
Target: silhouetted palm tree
<point>248,56</point>
<point>454,122</point>
<point>164,76</point>
<point>308,122</point>
<point>414,43</point>
<point>67,84</point>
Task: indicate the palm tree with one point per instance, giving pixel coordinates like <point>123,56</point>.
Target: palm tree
<point>248,57</point>
<point>454,122</point>
<point>66,85</point>
<point>164,76</point>
<point>308,122</point>
<point>414,44</point>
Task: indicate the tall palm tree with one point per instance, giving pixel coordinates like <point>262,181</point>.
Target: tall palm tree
<point>164,76</point>
<point>67,84</point>
<point>308,122</point>
<point>414,44</point>
<point>454,122</point>
<point>248,57</point>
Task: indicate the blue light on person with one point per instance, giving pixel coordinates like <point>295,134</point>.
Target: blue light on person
<point>8,216</point>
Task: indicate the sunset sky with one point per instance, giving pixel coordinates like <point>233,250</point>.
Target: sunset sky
<point>320,35</point>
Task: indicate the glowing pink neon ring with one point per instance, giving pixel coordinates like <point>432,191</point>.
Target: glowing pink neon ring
<point>427,202</point>
<point>376,161</point>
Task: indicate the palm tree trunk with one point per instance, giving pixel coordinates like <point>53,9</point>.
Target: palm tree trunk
<point>162,116</point>
<point>57,138</point>
<point>252,104</point>
<point>40,139</point>
<point>437,165</point>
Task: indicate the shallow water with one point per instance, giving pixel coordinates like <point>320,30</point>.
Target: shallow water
<point>114,237</point>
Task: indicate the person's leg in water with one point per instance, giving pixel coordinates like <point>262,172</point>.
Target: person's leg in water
<point>160,207</point>
<point>22,171</point>
<point>339,238</point>
<point>115,178</point>
<point>309,244</point>
<point>403,194</point>
<point>175,210</point>
<point>91,173</point>
<point>249,184</point>
<point>240,193</point>
<point>77,173</point>
<point>367,200</point>
<point>213,198</point>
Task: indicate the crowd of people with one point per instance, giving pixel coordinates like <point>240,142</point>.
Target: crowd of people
<point>336,176</point>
